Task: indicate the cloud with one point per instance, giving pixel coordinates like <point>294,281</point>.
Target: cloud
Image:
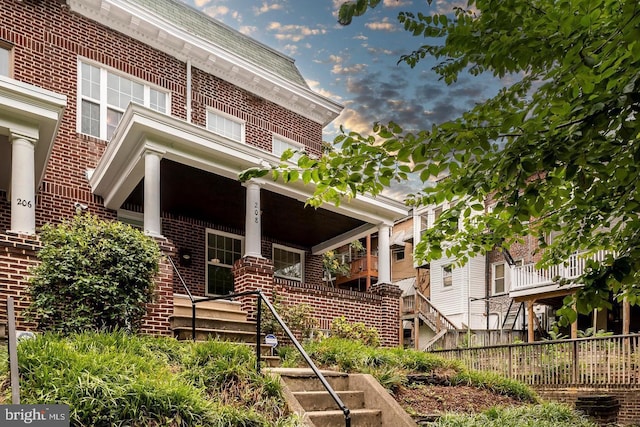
<point>315,86</point>
<point>201,3</point>
<point>265,7</point>
<point>294,33</point>
<point>248,29</point>
<point>384,25</point>
<point>360,37</point>
<point>396,3</point>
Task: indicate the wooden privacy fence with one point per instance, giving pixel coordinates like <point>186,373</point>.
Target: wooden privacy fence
<point>613,360</point>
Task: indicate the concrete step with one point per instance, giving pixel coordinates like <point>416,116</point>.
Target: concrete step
<point>219,309</point>
<point>322,400</point>
<point>178,321</point>
<point>305,380</point>
<point>359,418</point>
<point>202,334</point>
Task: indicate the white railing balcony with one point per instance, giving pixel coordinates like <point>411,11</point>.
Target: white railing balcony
<point>527,276</point>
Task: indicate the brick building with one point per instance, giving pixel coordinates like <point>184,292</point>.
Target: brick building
<point>146,111</point>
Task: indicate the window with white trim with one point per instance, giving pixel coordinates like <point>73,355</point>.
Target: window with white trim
<point>5,61</point>
<point>225,125</point>
<point>398,255</point>
<point>223,249</point>
<point>288,262</point>
<point>501,276</point>
<point>447,275</point>
<point>280,144</point>
<point>106,93</point>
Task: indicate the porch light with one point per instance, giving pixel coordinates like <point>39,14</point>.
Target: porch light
<point>185,257</point>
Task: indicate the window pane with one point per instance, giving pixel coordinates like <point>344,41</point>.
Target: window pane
<point>90,118</point>
<point>4,62</point>
<point>90,81</point>
<point>113,118</point>
<point>219,280</point>
<point>224,126</point>
<point>157,101</point>
<point>499,285</point>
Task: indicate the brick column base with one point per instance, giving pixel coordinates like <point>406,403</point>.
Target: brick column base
<point>156,321</point>
<point>389,313</point>
<point>250,274</point>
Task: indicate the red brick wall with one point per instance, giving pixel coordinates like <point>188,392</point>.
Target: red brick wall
<point>628,398</point>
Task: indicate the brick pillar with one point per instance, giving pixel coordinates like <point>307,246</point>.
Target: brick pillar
<point>389,313</point>
<point>18,253</point>
<point>156,321</point>
<point>250,274</point>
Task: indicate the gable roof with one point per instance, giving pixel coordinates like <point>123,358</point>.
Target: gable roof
<point>203,26</point>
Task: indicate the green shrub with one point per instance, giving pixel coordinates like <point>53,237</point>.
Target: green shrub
<point>341,328</point>
<point>93,275</point>
<point>298,318</point>
<point>495,383</point>
<point>547,415</point>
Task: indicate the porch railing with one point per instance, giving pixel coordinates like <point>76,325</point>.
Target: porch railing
<point>261,299</point>
<point>527,276</point>
<point>420,304</point>
<point>613,360</point>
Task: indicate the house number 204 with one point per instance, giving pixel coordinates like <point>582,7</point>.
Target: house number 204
<point>25,203</point>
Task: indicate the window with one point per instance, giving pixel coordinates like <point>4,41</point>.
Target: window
<point>499,278</point>
<point>447,275</point>
<point>398,255</point>
<point>226,126</point>
<point>502,276</point>
<point>280,145</point>
<point>5,61</point>
<point>105,94</point>
<point>223,249</point>
<point>134,219</point>
<point>288,262</point>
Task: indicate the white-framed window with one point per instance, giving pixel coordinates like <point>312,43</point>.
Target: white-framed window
<point>105,93</point>
<point>225,125</point>
<point>398,255</point>
<point>288,262</point>
<point>223,249</point>
<point>5,60</point>
<point>280,144</point>
<point>501,276</point>
<point>447,275</point>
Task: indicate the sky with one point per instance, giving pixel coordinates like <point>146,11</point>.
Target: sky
<point>357,65</point>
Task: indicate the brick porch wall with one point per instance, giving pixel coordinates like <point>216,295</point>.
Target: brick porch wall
<point>18,253</point>
<point>628,398</point>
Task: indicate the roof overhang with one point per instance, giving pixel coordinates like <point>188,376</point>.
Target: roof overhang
<point>33,112</point>
<point>165,36</point>
<point>121,168</point>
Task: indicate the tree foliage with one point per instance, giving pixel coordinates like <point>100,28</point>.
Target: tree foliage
<point>93,275</point>
<point>556,151</point>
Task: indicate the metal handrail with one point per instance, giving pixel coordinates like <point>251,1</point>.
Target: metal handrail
<point>262,298</point>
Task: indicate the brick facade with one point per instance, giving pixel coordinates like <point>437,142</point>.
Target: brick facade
<point>47,42</point>
<point>628,398</point>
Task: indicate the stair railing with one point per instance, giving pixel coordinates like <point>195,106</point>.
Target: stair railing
<point>424,306</point>
<point>263,299</point>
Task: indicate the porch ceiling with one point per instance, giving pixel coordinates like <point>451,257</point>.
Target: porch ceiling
<point>199,179</point>
<point>194,193</point>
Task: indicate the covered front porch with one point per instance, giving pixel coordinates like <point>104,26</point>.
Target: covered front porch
<point>179,182</point>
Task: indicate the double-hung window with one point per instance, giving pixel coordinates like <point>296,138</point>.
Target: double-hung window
<point>288,262</point>
<point>447,275</point>
<point>105,94</point>
<point>5,60</point>
<point>280,144</point>
<point>499,278</point>
<point>223,249</point>
<point>225,125</point>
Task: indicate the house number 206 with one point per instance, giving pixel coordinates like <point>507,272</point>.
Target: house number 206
<point>25,203</point>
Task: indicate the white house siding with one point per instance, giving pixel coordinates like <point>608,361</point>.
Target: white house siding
<point>454,301</point>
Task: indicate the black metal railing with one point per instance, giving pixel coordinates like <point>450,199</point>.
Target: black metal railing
<point>263,299</point>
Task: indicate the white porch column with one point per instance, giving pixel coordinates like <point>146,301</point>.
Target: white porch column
<point>152,193</point>
<point>253,221</point>
<point>384,254</point>
<point>23,184</point>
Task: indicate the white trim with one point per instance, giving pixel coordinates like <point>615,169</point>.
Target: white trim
<point>505,281</point>
<point>134,219</point>
<point>293,250</point>
<point>103,103</point>
<point>8,72</point>
<point>208,262</point>
<point>294,145</point>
